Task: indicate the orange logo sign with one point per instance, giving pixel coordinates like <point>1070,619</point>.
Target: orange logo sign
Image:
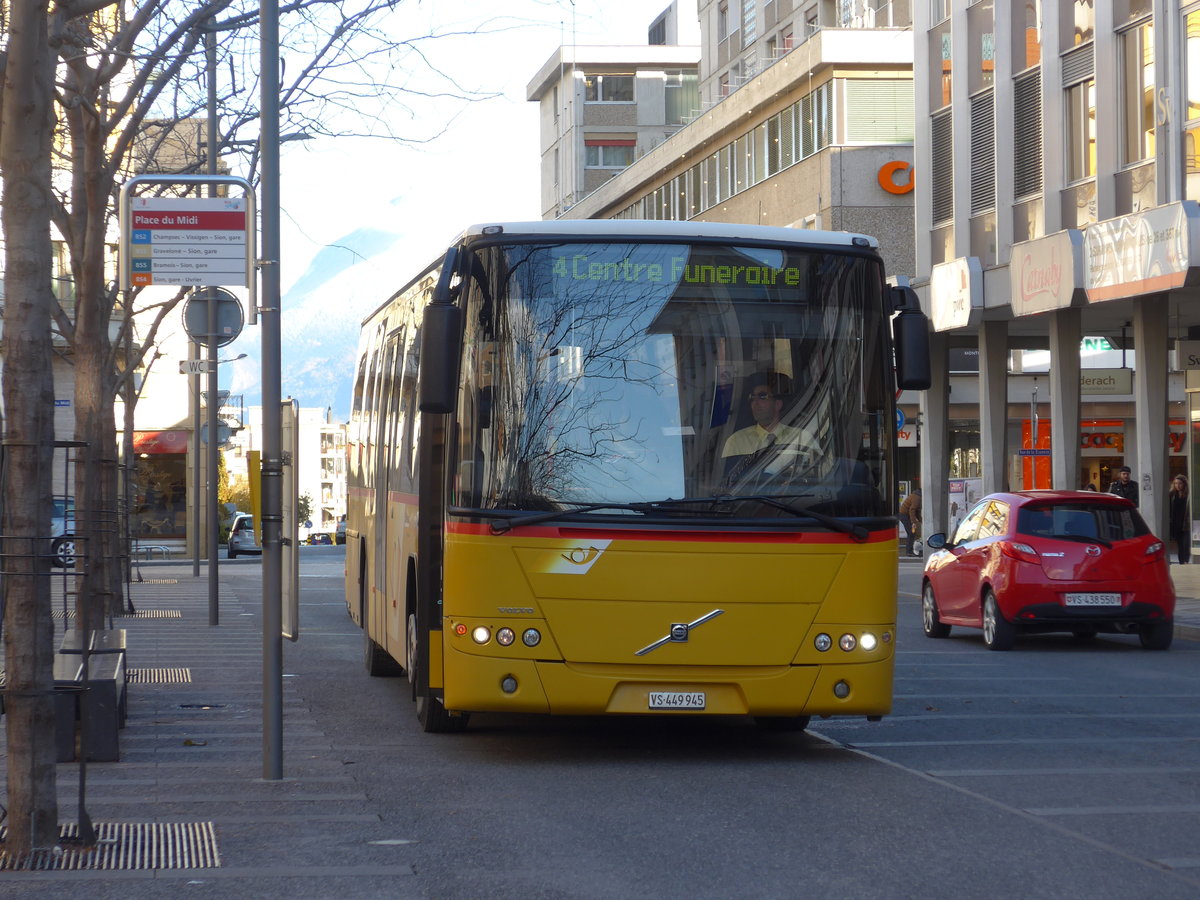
<point>887,177</point>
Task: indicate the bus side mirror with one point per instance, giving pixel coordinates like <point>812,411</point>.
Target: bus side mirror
<point>910,338</point>
<point>441,338</point>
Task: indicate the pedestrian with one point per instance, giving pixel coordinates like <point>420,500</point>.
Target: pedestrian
<point>910,518</point>
<point>1087,483</point>
<point>1123,486</point>
<point>1180,518</point>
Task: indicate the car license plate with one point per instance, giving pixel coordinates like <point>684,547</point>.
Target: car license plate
<point>677,699</point>
<point>1093,598</point>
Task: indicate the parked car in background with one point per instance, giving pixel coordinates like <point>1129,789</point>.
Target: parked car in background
<point>242,538</point>
<point>1039,561</point>
<point>320,537</point>
<point>62,532</point>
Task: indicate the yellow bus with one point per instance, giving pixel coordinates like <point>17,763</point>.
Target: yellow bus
<point>620,467</point>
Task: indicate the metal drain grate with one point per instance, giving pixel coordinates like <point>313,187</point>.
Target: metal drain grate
<point>160,676</point>
<point>159,581</point>
<point>158,614</point>
<point>126,845</point>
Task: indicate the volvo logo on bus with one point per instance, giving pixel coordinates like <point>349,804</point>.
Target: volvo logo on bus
<point>678,632</point>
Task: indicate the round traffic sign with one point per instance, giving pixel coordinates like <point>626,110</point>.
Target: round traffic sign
<point>229,315</point>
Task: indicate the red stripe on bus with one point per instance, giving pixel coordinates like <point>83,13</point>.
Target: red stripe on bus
<point>733,537</point>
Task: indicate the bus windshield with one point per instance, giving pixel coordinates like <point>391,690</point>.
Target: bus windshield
<point>638,372</point>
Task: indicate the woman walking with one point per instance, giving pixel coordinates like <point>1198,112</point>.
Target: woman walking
<point>1181,523</point>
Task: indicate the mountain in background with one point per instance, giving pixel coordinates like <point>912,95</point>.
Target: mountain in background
<point>322,313</point>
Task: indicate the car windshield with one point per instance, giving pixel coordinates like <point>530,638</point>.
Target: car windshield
<point>1100,521</point>
<point>606,374</point>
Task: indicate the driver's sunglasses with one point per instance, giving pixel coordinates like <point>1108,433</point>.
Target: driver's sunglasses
<point>761,395</point>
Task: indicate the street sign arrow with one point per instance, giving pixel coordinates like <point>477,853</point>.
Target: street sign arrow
<point>194,367</point>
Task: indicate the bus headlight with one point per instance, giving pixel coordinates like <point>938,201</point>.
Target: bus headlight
<point>505,636</point>
<point>481,634</point>
<point>847,642</point>
<point>532,637</point>
<point>867,641</point>
<point>823,642</point>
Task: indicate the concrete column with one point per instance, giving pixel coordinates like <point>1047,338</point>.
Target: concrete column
<point>1065,333</point>
<point>1150,406</point>
<point>935,438</point>
<point>993,405</point>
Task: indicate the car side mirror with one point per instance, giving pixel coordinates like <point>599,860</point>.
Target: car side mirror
<point>937,541</point>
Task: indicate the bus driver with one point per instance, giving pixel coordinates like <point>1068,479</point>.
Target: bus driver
<point>748,446</point>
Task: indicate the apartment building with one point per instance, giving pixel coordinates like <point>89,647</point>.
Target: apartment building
<point>604,107</point>
<point>1055,210</point>
<point>805,119</point>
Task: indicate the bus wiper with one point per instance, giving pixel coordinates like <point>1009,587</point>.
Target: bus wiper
<point>857,532</point>
<point>505,525</point>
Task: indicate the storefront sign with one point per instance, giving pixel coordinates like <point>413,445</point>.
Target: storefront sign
<point>160,441</point>
<point>955,292</point>
<point>1188,353</point>
<point>1142,253</point>
<point>1106,381</point>
<point>1045,274</point>
<point>1103,440</point>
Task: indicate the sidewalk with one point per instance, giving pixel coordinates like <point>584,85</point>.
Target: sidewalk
<point>1187,596</point>
<point>186,808</point>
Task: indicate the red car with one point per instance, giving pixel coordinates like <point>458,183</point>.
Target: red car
<point>1037,561</point>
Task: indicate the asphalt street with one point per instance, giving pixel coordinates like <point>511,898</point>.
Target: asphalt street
<point>1051,771</point>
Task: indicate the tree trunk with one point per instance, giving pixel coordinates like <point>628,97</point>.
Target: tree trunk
<point>25,142</point>
<point>98,584</point>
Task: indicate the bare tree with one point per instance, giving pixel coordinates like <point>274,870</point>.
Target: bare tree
<point>95,91</point>
<point>132,81</point>
<point>29,434</point>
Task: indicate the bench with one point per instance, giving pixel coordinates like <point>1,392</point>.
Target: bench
<point>104,701</point>
<point>149,551</point>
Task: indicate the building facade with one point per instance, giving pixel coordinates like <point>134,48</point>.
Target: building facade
<point>1056,216</point>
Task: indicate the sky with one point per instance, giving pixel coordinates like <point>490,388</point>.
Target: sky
<point>359,218</point>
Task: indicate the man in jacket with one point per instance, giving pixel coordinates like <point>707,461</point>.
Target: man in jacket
<point>1124,486</point>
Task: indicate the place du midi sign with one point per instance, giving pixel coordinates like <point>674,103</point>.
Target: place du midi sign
<point>196,242</point>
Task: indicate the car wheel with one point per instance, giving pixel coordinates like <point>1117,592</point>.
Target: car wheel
<point>998,632</point>
<point>410,665</point>
<point>431,714</point>
<point>231,553</point>
<point>934,627</point>
<point>63,552</point>
<point>1157,636</point>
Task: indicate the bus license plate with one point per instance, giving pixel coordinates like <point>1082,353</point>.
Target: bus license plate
<point>677,699</point>
<point>1094,598</point>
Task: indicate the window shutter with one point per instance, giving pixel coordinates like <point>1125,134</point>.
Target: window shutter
<point>1078,65</point>
<point>1027,134</point>
<point>941,180</point>
<point>983,153</point>
<point>879,111</point>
